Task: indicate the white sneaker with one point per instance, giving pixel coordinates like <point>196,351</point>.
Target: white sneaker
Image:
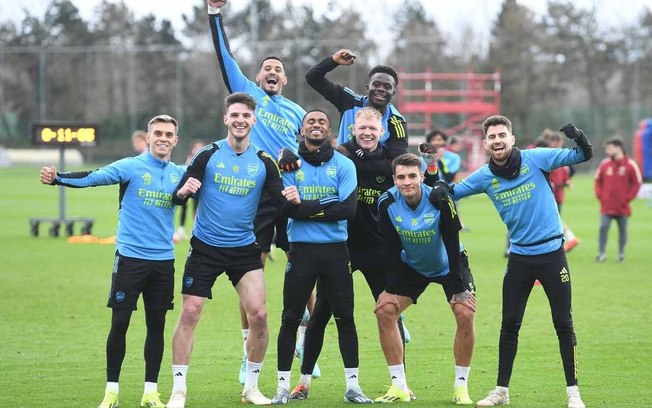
<point>254,396</point>
<point>177,399</point>
<point>494,398</point>
<point>574,399</point>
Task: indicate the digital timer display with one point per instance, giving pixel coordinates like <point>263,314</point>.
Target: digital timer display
<point>58,134</point>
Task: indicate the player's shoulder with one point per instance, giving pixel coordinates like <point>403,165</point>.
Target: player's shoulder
<point>393,110</point>
<point>389,196</point>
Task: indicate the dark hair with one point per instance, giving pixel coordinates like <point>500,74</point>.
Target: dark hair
<point>615,141</point>
<point>407,160</point>
<point>541,142</point>
<point>271,57</point>
<point>240,97</point>
<point>496,120</point>
<point>434,132</point>
<point>315,110</point>
<point>385,69</point>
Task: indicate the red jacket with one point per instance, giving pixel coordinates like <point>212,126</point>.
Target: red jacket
<point>560,179</point>
<point>616,184</point>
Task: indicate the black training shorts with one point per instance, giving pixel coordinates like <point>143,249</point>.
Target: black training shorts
<point>410,283</point>
<point>133,276</point>
<point>206,262</point>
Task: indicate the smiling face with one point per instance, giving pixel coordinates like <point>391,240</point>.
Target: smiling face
<point>271,76</point>
<point>316,129</point>
<point>498,141</point>
<point>381,89</point>
<point>368,130</point>
<point>239,119</point>
<point>162,137</point>
<point>407,180</point>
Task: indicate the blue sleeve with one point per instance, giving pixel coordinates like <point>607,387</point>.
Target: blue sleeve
<point>454,163</point>
<point>114,173</point>
<point>471,185</point>
<point>549,159</point>
<point>234,79</point>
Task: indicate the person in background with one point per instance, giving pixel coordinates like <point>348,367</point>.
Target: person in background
<point>617,181</point>
<point>560,180</point>
<point>181,234</point>
<point>139,141</point>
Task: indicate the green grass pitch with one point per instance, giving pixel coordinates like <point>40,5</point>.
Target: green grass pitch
<point>54,319</point>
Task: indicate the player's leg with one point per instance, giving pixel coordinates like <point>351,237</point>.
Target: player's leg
<point>403,288</point>
<point>605,221</point>
<point>336,283</point>
<point>127,281</point>
<point>622,236</point>
<point>517,285</point>
<point>300,277</point>
<point>203,265</point>
<point>251,288</point>
<point>313,342</point>
<point>464,334</point>
<point>158,297</point>
<point>554,275</point>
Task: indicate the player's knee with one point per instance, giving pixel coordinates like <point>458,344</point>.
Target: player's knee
<point>387,316</point>
<point>257,317</point>
<point>510,327</point>
<point>465,317</point>
<point>120,321</point>
<point>290,319</point>
<point>155,320</point>
<point>564,327</point>
<point>190,314</point>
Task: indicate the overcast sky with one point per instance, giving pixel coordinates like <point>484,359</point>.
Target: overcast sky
<point>450,15</point>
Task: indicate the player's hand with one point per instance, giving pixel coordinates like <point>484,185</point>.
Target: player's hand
<point>191,186</point>
<point>214,6</point>
<point>344,57</point>
<point>343,150</point>
<point>292,195</point>
<point>360,154</point>
<point>386,299</point>
<point>48,174</point>
<point>465,298</point>
<point>439,194</point>
<point>429,154</point>
<point>572,132</point>
<point>288,160</point>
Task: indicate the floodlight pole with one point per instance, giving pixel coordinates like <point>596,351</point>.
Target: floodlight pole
<point>62,189</point>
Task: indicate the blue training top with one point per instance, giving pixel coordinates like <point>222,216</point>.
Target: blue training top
<point>420,232</point>
<point>526,204</point>
<point>146,213</point>
<point>278,119</point>
<point>332,186</point>
<point>231,185</point>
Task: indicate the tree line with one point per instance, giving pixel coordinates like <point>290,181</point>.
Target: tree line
<point>119,70</point>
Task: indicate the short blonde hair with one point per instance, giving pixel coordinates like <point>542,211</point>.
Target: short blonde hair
<point>163,119</point>
<point>369,113</point>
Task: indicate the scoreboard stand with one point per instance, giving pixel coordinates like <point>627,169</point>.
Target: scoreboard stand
<point>63,135</point>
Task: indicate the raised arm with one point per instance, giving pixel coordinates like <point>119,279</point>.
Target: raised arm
<point>234,79</point>
<point>342,98</point>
